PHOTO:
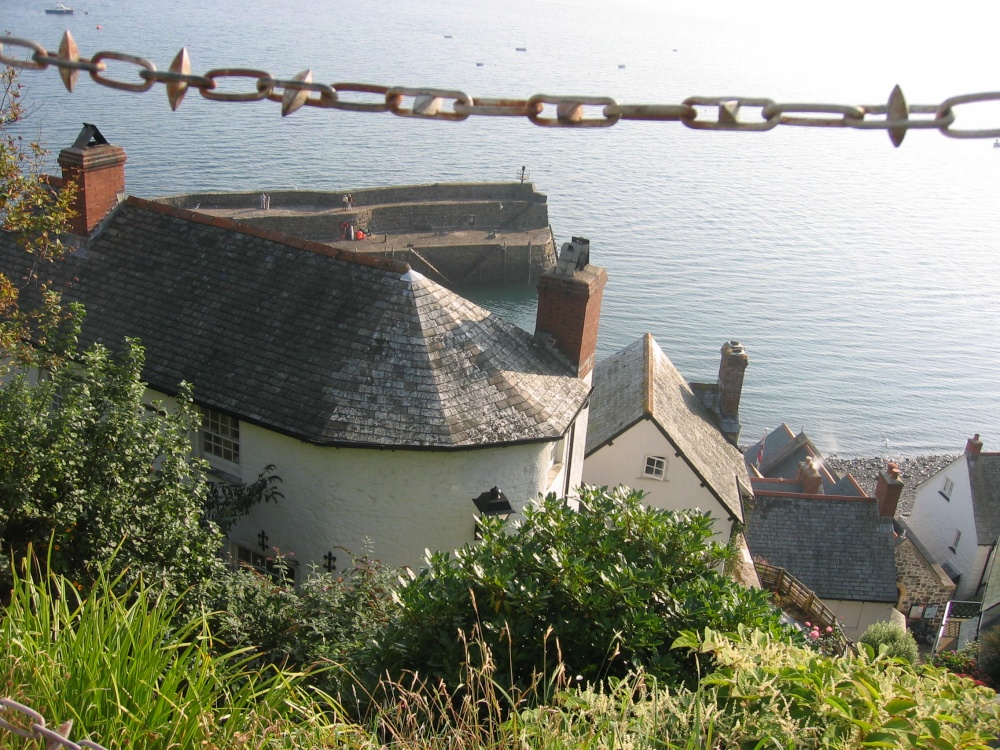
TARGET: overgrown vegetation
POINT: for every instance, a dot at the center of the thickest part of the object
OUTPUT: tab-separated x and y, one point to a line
603	590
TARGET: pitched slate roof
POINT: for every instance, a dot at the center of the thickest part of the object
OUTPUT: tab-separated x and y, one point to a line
838	547
640	382
321	344
984	478
784	451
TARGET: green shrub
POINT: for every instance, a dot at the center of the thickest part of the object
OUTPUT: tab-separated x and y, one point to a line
598	592
324	626
896	640
989	654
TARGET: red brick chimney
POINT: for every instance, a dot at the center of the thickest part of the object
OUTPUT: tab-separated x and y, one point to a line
887	490
731	368
974	446
569	305
98	169
808	476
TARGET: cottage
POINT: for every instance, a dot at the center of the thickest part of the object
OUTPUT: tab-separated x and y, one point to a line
956	514
651	430
386	402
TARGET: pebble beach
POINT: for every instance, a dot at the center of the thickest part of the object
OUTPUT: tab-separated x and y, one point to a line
913	471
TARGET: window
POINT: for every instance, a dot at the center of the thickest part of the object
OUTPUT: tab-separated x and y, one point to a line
282	572
220	435
958	538
947	489
656	467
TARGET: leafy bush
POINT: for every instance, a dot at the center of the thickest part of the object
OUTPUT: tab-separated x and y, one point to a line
324	626
765	693
989	654
896	640
601	591
85	463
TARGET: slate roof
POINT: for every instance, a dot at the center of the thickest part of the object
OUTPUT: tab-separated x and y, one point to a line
838	547
784	451
321	344
984	478
640	382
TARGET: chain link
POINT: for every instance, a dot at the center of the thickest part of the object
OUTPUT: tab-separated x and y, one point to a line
37	729
695	112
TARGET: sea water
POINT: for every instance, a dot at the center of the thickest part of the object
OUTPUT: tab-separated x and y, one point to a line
862	279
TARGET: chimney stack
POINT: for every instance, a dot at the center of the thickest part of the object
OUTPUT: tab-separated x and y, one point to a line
731	368
569	305
98	170
887	490
808	476
974	446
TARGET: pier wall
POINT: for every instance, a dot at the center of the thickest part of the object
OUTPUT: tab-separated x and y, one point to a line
468	265
401	213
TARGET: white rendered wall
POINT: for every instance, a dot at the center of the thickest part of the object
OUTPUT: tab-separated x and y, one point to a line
935	520
854	616
623	462
404	501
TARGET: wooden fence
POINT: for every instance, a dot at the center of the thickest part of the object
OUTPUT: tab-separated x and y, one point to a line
790	589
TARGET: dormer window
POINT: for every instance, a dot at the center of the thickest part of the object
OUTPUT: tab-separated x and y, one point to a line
947	489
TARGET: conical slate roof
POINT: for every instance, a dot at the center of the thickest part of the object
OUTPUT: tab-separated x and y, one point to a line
314	342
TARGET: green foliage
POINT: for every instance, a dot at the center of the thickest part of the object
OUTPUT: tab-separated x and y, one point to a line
989	654
601	591
34	214
965	662
132	671
86	464
895	640
768	694
329	619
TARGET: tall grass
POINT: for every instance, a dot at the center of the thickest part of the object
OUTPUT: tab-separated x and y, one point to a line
132	671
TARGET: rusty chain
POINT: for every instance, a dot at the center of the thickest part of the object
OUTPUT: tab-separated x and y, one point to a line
36	729
727	113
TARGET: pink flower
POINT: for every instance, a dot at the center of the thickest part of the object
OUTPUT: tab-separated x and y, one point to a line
829	629
814	635
808	624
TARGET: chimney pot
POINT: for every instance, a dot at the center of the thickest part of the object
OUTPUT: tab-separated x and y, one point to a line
731	369
569	305
98	170
809	477
888	488
974	446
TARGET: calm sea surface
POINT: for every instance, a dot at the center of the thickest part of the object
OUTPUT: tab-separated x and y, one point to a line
864	280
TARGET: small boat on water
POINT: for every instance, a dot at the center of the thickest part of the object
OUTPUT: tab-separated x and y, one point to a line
60	9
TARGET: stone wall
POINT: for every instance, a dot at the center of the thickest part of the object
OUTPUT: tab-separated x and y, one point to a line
460	265
921	582
404	217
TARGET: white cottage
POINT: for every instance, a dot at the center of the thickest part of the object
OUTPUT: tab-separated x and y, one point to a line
386	402
956	514
649	430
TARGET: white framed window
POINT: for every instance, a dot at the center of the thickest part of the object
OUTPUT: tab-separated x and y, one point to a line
655	468
947	489
220	435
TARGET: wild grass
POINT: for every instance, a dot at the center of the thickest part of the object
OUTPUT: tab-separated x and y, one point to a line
132	670
121	667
